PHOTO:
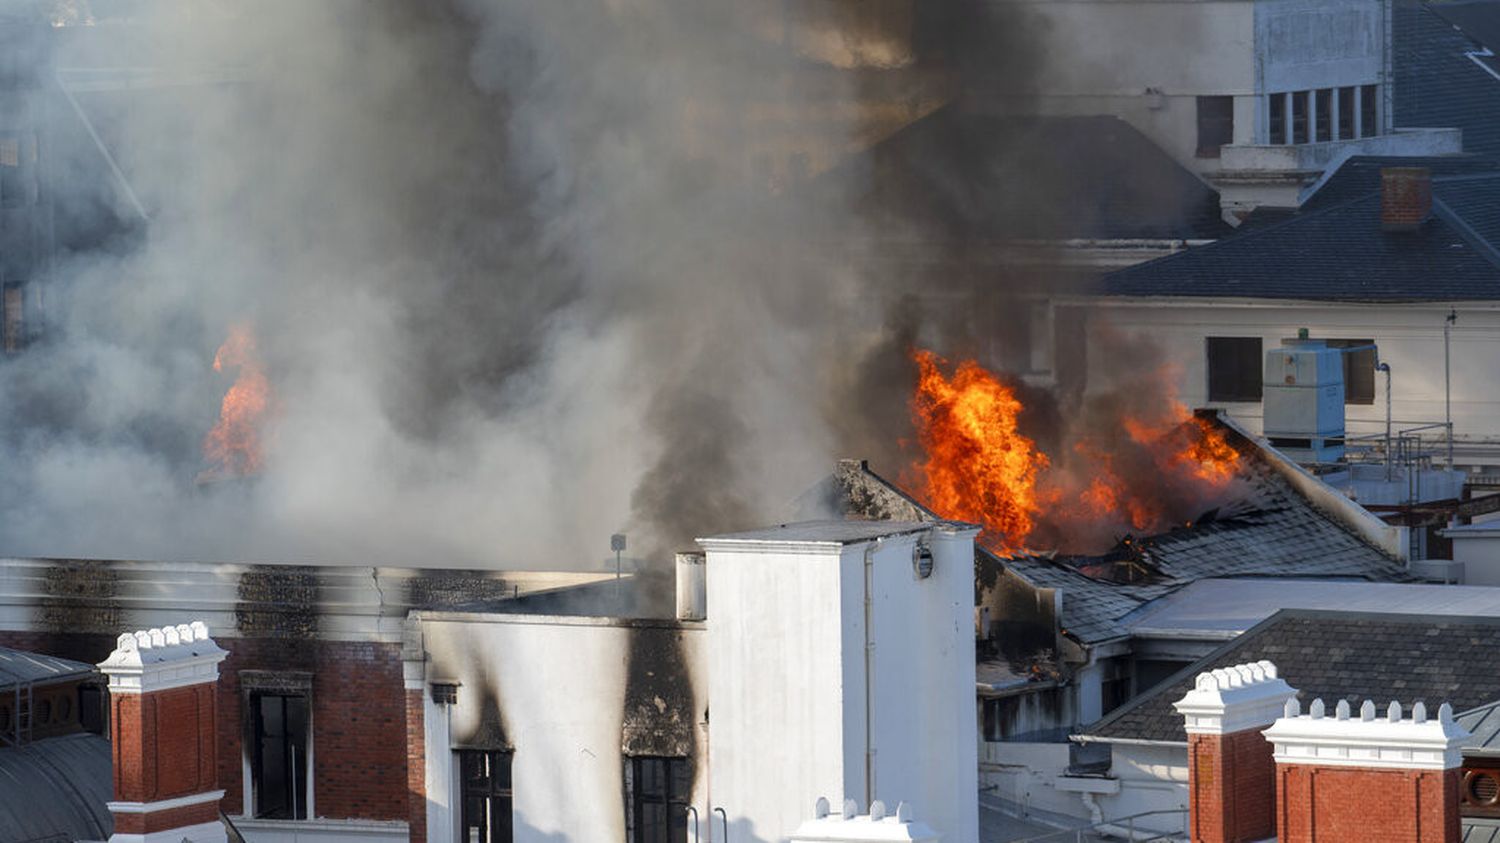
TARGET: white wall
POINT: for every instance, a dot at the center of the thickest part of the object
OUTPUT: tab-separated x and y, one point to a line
1410	337
786	658
1141	779
558	686
1479	551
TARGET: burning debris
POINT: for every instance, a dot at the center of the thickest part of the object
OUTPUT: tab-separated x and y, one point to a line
1128	467
233	447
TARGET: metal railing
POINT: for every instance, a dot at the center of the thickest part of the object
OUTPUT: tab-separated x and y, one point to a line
1116	827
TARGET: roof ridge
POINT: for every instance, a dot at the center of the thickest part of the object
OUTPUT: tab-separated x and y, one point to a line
1296	217
1456	220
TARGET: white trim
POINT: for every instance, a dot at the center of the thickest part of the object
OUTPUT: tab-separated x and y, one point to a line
164	804
205	833
1234	699
1386	743
321	830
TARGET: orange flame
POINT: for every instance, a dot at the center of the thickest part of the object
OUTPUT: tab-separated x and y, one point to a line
979	466
233	446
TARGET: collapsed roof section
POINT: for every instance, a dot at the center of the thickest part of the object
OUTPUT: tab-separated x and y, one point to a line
1277	528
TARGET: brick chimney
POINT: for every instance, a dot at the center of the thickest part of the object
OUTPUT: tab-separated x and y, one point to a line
1339	777
163	686
1231	774
1405	197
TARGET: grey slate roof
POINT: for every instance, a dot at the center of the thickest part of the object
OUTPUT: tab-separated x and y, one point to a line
55	790
1274	533
1341	253
20	667
1436	82
984	177
1338	655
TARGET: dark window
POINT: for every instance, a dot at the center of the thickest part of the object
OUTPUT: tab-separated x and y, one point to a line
1369	105
1215	125
1234	368
12	318
657	793
1278	118
1359	371
93	711
1346	113
279	766
12	187
1299	117
1323	99
487	796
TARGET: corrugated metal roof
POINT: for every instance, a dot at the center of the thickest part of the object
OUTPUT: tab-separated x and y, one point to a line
56	790
18	667
1477	830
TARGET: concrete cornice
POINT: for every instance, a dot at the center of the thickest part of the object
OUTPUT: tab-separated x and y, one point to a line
1388	742
161	659
1234	699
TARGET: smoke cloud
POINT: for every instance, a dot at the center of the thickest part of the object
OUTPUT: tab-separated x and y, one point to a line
522	274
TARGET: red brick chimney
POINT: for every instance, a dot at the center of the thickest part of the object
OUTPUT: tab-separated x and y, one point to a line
1231	774
1341	778
163	686
1405	197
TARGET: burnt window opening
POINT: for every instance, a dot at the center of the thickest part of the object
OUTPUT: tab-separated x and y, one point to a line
278	766
1359	371
1299	116
12	318
1277	115
1215	125
13	193
445	693
1234	369
1369	111
658	791
487	796
93	709
1346	113
1323	101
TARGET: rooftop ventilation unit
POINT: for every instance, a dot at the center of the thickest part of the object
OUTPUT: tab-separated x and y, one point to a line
1304	400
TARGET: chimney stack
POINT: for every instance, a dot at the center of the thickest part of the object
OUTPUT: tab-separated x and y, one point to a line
163	713
1231	773
1405	197
1338	776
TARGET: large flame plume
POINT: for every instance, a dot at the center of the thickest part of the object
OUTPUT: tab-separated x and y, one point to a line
233	448
1152	466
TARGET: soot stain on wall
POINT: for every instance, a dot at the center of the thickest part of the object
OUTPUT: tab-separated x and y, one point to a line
81	596
659	716
276	601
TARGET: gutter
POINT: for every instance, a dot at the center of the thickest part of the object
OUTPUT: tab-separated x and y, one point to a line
1126	741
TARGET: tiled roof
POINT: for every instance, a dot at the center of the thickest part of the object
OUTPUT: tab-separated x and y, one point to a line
1359	176
991	178
1273	532
1437	84
1341	253
1338	655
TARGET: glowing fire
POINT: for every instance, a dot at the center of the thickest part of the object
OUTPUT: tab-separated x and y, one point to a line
979	466
1138	472
233	446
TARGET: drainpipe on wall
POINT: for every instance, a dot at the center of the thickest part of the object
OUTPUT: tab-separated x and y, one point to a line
870	670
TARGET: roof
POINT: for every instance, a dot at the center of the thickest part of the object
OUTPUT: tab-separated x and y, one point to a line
1481	830
1359	176
1483	724
1223	608
1438	81
1341	253
1338	655
55	790
825	532
1272	533
1004	178
18	667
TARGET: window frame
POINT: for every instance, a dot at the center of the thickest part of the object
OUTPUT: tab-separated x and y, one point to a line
1366	395
1215	130
674	801
1347	112
1301	117
1324	116
258	683
1369	117
1276	119
1235	367
492	792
